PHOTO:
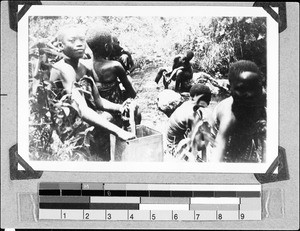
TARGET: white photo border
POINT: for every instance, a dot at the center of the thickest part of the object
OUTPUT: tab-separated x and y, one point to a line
214	11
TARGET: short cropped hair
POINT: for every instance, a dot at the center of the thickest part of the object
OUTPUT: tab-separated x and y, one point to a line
203	90
189	55
115	40
241	66
63	30
97	37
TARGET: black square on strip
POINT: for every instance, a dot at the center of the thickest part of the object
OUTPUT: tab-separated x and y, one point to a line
248	194
92	192
203	194
64	205
48	192
65	192
115	193
181	193
160	193
225	194
136	193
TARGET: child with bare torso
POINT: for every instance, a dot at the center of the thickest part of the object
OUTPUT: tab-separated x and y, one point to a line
71	70
107	73
123	56
182	73
239	121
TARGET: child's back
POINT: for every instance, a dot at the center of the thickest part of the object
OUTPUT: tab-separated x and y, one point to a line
107	73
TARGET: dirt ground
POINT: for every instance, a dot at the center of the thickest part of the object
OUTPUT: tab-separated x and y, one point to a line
147	92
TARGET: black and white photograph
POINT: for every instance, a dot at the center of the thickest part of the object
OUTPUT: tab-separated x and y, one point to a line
148	88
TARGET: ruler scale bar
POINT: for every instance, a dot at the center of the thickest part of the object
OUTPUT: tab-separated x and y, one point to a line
148	202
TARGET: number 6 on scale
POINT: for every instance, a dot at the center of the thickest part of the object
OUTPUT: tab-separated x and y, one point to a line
175	216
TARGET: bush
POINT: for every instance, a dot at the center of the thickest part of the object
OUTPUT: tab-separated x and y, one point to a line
216	41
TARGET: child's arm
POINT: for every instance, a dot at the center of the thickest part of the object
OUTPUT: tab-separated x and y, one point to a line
220	148
101	103
93	118
53	43
124	80
222	136
176	62
173	73
66	74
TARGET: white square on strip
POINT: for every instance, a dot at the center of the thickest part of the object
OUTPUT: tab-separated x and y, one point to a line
250	215
205	215
72	214
117	215
49	214
161	215
164	207
215	200
227	215
94	214
139	215
182	215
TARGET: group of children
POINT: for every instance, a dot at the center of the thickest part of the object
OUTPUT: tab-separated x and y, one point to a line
93	84
234	132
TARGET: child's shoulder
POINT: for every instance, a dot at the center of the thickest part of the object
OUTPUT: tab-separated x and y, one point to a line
87	63
224	107
60	64
227	101
112	64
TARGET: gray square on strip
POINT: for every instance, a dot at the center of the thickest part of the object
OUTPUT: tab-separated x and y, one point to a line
27	207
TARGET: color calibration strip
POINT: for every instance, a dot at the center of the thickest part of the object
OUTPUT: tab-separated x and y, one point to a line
171	202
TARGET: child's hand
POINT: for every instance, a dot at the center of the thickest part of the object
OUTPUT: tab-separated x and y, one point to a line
89	79
124	109
124	135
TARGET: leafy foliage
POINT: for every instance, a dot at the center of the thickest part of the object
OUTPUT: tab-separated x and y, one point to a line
56	132
216	41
